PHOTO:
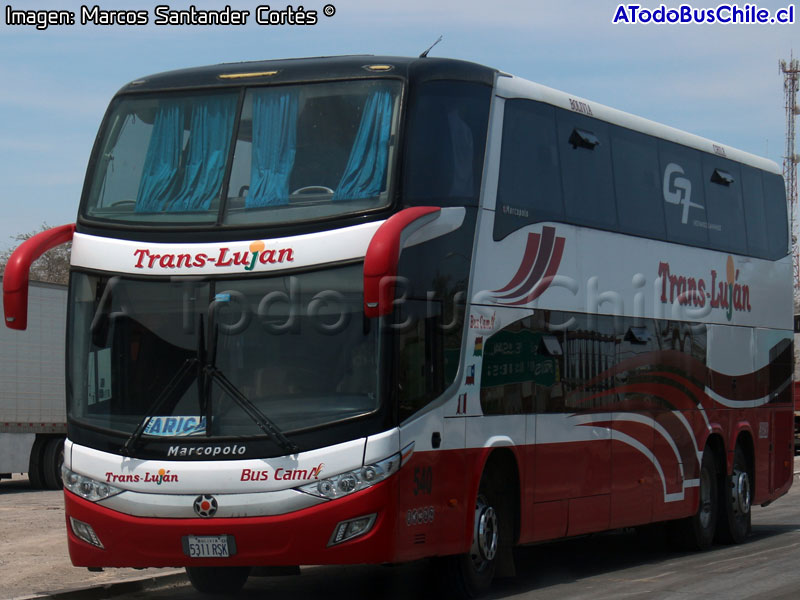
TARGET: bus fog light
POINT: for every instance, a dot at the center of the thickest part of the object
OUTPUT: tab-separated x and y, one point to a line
85	532
352	528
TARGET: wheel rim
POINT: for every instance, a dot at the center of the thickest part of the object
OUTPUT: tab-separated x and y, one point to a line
740	492
485	537
706	500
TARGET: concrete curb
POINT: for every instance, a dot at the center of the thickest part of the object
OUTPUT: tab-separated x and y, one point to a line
111	589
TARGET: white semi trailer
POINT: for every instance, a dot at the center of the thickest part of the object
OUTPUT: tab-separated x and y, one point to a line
32	401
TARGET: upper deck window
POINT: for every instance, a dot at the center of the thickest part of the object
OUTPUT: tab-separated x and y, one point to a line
559	166
301	152
446	132
163	159
305	152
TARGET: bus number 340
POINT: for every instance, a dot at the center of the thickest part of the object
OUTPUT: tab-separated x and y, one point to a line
423	480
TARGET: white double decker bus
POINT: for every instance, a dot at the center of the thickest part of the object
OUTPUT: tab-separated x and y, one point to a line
375	309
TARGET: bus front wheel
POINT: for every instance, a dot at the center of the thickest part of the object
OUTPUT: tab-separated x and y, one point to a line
470	575
218	580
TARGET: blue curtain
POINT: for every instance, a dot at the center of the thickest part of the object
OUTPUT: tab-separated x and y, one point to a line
274	147
162	158
209	140
366	167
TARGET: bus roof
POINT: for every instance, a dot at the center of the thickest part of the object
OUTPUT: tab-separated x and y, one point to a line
509	86
293	70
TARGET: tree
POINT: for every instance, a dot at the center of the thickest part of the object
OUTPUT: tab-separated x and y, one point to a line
51	267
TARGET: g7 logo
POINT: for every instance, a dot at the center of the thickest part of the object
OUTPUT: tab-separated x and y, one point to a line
678	190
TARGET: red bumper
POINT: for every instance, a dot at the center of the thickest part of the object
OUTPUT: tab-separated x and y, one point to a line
293	539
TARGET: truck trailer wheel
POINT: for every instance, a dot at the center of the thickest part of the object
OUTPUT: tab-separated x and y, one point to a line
218	580
35	470
51	466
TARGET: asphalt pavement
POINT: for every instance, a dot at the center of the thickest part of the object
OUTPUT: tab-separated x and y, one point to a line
34	563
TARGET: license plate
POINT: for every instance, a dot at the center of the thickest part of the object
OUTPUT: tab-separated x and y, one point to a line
209	546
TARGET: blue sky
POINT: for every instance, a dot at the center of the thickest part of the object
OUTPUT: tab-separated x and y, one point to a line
718	81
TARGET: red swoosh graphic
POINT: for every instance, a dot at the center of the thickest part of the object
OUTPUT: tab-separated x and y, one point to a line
545	282
531	249
545	249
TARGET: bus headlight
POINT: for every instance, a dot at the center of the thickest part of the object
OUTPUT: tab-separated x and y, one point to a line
353	481
87	488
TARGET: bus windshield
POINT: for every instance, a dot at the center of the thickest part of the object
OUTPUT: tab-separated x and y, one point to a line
271	155
180	353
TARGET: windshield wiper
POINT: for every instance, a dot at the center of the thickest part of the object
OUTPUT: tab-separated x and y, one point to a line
207	372
212	372
167	393
264	423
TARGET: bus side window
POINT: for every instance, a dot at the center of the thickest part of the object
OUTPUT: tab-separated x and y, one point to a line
446	142
523	367
591	353
775	209
637	183
755	217
508	374
426	327
682	194
585	151
529	186
723	187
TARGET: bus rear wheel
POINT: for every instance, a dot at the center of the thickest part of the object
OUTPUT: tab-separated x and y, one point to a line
218	580
735	501
697	532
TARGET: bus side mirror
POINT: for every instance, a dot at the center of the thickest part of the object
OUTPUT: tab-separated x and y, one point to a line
383	254
15	278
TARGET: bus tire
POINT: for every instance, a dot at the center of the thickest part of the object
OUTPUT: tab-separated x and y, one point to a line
218	580
36	463
470	575
51	463
736	495
697	532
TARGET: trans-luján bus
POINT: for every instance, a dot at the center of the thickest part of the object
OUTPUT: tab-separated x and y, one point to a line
370	310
